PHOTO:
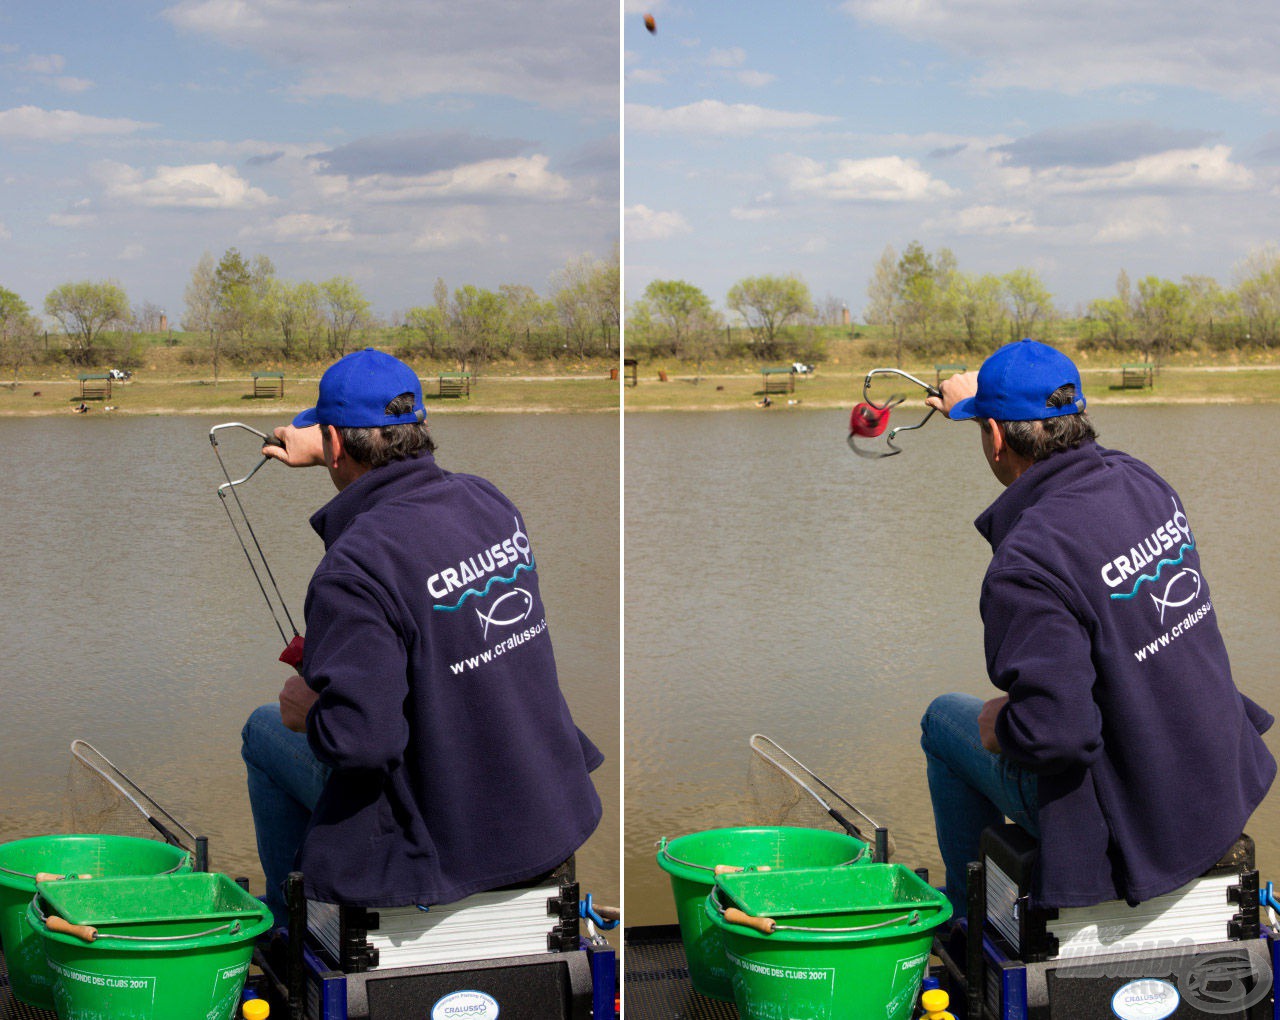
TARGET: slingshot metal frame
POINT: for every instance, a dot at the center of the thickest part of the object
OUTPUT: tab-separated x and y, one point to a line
892	402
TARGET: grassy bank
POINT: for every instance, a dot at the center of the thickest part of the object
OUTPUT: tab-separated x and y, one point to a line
175	392
833	388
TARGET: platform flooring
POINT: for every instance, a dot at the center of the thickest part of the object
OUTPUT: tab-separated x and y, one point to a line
11	1008
655	984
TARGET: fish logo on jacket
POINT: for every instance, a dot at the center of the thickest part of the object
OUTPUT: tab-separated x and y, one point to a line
1183	587
519	606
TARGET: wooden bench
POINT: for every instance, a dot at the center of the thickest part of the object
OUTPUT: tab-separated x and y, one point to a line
268	384
949	369
631	368
779	380
94	387
1136	377
455	384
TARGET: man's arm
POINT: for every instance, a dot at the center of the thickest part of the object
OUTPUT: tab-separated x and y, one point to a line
1040	654
357	666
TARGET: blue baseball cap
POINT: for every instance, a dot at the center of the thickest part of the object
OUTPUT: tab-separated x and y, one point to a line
355	391
1015	384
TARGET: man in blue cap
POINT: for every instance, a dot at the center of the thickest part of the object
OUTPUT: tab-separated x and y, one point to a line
1120	739
425	751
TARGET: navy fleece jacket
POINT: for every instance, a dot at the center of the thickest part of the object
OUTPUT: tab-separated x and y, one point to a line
1101	628
456	765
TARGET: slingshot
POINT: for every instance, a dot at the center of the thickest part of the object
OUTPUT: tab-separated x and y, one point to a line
870	419
292	654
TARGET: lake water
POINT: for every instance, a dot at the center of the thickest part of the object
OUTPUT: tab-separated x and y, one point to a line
130	617
776	583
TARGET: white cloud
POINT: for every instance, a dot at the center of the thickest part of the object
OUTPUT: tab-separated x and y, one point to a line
564	53
525	177
880	179
646	76
1073	46
752	213
1137	220
735	56
301	228
4	233
132	252
645	224
755	79
44	63
31	123
989	220
456	228
1206	168
200	186
73	85
710	116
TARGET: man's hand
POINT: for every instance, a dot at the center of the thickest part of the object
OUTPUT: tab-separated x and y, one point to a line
954	389
302	447
987	723
296	699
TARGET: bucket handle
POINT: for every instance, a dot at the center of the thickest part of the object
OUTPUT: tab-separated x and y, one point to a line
88	933
767	925
721	869
41	876
49	876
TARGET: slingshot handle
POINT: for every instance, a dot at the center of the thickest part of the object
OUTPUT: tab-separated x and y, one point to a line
764	925
84	932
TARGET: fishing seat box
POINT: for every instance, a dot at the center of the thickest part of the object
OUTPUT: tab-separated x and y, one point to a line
517	946
1221	905
1199	949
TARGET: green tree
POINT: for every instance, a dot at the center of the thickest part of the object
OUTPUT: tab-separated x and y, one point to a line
882	290
529	317
767	304
201	316
18	333
85	310
979	304
1029	302
586	298
477	322
1258	289
679	318
347	311
1160	315
429	324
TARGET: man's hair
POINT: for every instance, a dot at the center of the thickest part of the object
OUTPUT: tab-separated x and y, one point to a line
1040	438
381	445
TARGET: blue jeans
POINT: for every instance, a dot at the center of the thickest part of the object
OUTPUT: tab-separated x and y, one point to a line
285	780
970	787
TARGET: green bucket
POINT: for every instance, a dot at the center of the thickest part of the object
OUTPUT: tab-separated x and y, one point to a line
691	862
166	947
851	942
98	856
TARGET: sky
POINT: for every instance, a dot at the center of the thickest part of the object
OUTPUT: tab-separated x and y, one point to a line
1077	138
392	141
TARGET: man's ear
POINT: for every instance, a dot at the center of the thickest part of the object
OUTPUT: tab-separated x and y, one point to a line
335	449
998	444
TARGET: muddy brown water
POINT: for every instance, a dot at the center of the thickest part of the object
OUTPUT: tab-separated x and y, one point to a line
775	583
129	617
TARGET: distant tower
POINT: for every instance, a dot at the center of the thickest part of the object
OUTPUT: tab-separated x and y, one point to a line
844	315
164	321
